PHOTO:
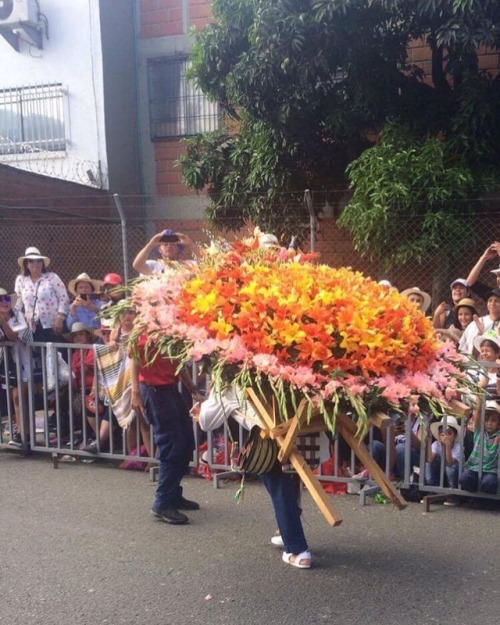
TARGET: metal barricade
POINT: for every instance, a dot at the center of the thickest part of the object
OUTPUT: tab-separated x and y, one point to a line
54	418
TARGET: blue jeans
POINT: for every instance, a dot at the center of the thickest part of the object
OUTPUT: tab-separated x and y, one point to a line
286	509
469	480
433	473
173	435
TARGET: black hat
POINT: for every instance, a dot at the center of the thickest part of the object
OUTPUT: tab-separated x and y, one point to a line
494	293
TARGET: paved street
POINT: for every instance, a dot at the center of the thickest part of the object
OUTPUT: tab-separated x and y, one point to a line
79	547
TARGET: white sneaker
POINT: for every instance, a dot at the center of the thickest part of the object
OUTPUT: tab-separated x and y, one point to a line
277	540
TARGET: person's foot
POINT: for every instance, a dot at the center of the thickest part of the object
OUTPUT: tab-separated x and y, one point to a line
362	476
186	504
169	515
300	561
91	448
277	541
16	441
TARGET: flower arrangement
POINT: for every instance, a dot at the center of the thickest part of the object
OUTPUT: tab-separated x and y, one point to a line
273	320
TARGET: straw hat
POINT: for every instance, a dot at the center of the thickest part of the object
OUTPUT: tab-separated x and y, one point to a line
33	253
13	296
106	325
452	333
84	277
268	240
416	291
78	326
493	405
466	301
486	337
451	422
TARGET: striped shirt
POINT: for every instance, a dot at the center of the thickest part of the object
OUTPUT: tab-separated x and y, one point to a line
490	445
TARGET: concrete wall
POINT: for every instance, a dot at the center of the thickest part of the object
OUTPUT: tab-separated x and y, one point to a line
91	51
71	56
118	33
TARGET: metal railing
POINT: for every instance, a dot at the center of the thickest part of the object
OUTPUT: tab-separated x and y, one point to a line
51	421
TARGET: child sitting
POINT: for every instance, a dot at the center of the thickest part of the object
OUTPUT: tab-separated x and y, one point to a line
445	448
486	444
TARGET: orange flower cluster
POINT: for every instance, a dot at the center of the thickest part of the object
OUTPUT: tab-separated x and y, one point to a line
309	315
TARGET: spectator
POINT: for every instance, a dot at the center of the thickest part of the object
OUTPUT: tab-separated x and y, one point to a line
492	252
464	314
172	246
123	326
103	333
12	327
481	468
488	347
113	290
481	325
87	303
398	450
212	415
82	371
418	297
42	296
446	448
445	314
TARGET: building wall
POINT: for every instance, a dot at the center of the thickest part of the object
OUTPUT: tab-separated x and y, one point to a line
118	32
163	31
90	50
72	56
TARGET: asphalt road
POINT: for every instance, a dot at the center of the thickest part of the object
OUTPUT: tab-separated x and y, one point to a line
78	546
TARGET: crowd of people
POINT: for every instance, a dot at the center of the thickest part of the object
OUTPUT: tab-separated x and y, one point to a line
42	309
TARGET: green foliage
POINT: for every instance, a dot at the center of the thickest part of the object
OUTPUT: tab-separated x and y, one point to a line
309	81
408	181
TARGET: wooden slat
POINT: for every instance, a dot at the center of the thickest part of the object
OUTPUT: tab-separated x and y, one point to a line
347	430
288	443
311	482
380	420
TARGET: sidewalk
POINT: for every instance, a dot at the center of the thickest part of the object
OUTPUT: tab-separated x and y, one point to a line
79	547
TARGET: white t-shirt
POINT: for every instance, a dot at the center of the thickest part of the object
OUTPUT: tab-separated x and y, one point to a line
466	344
437	450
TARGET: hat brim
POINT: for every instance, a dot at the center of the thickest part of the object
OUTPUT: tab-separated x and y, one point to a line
46	260
99	332
426	298
484	337
69	335
449	334
438	424
96	285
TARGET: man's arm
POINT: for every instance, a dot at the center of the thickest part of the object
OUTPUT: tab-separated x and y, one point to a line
491	252
136	400
139	263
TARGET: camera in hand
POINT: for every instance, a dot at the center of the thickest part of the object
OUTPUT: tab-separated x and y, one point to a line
93	297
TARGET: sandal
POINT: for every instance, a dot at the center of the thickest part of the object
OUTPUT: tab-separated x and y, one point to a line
277	541
300	560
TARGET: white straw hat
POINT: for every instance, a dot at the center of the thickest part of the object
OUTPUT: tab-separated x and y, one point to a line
84	277
33	253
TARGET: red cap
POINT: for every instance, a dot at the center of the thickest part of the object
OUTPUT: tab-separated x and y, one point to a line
113	279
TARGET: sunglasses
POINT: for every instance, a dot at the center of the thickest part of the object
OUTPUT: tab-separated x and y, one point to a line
5	298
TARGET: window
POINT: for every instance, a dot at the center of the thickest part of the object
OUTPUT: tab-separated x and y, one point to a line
32	119
176	107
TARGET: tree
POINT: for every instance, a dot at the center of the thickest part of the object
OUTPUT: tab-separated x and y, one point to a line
307	86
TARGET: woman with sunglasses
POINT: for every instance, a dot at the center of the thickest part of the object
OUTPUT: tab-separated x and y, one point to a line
42	296
12	326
